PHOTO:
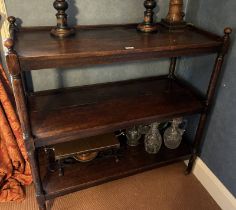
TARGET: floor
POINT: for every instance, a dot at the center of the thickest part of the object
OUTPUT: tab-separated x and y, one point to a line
165	188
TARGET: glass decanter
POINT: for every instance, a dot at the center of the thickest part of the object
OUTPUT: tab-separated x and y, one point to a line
153	139
143	129
173	135
133	136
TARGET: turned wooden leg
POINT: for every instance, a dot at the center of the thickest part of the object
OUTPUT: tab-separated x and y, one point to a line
197	142
18	90
60	168
210	96
41	202
190	164
172	68
33	159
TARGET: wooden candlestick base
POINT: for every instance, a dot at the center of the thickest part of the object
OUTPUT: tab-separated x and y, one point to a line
148	24
174	19
147	28
61	30
173	26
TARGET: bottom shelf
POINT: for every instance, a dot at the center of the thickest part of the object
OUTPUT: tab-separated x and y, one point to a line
132	160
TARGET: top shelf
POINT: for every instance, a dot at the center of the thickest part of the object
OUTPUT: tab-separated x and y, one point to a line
91	45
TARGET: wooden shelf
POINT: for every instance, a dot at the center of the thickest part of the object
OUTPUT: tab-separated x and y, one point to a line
37	49
133	160
58	116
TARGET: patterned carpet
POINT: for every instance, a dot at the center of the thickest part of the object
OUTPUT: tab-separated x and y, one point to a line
165	188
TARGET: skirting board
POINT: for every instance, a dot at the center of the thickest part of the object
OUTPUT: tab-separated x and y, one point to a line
214	186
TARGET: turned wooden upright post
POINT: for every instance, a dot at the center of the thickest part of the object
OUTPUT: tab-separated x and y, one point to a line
12	26
172	68
19	96
148	24
62	30
210	96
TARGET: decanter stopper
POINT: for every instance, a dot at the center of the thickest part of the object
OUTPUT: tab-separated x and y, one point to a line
153	139
173	134
133	136
61	30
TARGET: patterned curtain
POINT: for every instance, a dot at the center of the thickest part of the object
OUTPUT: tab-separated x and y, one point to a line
14	166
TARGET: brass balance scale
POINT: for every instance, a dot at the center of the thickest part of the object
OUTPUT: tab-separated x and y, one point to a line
82	150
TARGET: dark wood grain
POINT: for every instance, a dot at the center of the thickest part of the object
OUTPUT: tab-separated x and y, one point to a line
101	45
132	160
92	110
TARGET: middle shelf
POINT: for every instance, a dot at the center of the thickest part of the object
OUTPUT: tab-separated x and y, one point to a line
78	112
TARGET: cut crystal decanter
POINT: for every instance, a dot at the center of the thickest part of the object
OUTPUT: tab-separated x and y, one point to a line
173	134
133	136
153	139
143	129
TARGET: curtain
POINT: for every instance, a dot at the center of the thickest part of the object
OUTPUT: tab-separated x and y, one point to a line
14	166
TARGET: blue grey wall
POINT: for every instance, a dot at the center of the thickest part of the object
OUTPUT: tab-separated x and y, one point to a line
219	149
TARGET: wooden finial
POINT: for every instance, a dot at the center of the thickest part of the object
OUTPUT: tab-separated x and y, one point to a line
12	26
9	44
226	39
11	20
62	30
148	24
228	31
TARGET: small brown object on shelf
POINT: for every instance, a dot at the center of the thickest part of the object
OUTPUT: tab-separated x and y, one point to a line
174	19
148	24
62	30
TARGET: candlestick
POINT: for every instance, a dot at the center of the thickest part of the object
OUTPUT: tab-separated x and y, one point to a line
148	24
174	19
61	30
